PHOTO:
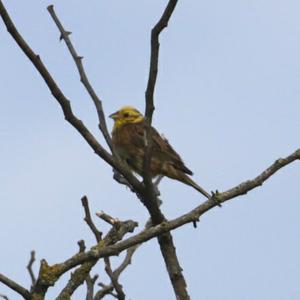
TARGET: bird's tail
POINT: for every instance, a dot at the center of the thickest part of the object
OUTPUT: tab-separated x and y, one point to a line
186	179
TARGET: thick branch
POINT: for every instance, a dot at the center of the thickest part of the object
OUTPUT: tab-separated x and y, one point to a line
77	278
83	77
15	286
192	216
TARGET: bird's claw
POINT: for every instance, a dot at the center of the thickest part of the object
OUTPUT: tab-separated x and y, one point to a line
215	198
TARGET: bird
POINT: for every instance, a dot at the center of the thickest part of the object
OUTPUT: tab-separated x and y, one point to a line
129	142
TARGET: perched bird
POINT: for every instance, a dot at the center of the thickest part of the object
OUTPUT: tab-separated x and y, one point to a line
128	138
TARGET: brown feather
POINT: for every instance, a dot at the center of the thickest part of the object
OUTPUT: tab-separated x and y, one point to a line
130	144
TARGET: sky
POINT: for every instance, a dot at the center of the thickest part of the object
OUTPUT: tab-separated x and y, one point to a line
227	99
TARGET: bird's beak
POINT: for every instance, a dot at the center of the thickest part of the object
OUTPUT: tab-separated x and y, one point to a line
114	115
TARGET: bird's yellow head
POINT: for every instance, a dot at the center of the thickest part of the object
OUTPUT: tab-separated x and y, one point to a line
125	115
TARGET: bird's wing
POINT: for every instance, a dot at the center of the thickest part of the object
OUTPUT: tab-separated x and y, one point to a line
167	153
162	150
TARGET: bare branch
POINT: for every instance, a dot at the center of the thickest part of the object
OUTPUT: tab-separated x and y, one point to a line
106	289
107	218
88	219
65	103
157	29
29	268
100	251
83	77
90	284
166	242
81	273
193	215
81	245
126	262
15	286
77	278
4	297
114	279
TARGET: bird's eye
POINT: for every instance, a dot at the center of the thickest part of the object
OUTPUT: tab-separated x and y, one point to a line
126	115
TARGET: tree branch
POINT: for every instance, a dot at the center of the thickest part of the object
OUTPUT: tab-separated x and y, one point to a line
81	273
88	219
106	289
83	77
15	286
151	202
100	250
157	29
114	279
29	268
190	217
65	103
90	283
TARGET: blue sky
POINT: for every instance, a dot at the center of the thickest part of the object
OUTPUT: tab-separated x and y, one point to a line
227	99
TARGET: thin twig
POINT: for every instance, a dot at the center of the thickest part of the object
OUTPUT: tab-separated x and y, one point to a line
15	286
90	284
127	260
88	219
107	218
83	77
81	245
29	268
4	297
106	290
114	279
157	29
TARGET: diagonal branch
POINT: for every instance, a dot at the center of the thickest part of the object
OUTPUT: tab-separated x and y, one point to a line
88	219
101	251
65	103
15	286
190	217
83	77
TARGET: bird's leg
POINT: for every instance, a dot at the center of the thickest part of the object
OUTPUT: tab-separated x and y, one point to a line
155	185
158	180
121	179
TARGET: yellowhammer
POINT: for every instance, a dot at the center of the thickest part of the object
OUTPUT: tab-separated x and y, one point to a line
128	138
